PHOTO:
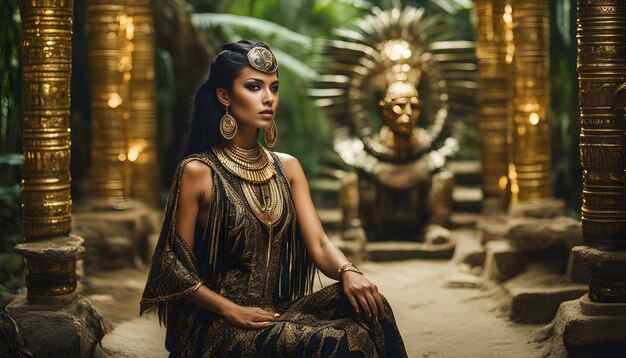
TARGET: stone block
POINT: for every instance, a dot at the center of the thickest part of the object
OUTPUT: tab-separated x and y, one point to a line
68	327
539	234
492	227
467	199
115	238
544	209
585	335
403	250
463	219
436	235
502	261
469	250
466	172
535	296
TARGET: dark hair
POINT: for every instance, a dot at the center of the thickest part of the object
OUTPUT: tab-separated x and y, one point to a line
207	111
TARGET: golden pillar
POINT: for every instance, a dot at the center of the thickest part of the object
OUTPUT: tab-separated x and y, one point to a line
50	250
142	146
530	133
602	81
109	75
493	94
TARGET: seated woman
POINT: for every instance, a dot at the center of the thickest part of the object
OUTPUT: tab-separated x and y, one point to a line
232	272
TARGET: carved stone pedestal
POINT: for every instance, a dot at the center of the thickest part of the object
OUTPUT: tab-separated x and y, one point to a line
608	273
67	326
585	328
53	320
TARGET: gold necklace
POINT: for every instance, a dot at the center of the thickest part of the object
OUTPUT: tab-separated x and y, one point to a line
253	165
269	207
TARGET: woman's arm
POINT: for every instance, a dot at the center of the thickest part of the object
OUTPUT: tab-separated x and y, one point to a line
326	256
195	192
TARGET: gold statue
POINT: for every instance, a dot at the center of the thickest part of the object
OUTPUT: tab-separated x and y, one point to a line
397	69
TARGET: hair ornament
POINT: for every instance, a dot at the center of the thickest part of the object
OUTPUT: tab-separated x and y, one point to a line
262	59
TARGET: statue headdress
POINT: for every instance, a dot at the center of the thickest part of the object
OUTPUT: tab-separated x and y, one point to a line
359	62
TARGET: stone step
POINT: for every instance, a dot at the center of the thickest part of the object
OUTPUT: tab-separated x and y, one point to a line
467	199
463	219
402	250
466	172
536	294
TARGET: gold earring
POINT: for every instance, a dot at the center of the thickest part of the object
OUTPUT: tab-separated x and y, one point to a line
270	135
228	125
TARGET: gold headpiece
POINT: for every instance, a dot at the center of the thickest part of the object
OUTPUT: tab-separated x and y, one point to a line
262	59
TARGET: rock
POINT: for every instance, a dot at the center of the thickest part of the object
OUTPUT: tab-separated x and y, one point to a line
436	235
492	228
57	328
538	234
544	209
502	261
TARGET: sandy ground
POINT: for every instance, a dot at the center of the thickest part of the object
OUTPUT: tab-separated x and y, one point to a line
435	319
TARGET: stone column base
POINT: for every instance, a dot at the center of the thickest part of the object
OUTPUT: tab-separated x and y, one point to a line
582	326
67	326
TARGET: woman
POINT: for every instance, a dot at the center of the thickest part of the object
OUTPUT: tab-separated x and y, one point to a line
235	259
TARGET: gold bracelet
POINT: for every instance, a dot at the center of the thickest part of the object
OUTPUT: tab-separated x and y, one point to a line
348	267
349	264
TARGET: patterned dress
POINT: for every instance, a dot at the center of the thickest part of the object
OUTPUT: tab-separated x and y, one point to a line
233	256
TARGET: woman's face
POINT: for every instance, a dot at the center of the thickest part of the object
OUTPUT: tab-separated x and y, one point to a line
254	98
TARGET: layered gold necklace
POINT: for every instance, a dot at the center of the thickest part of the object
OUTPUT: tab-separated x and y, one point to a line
252	165
256	169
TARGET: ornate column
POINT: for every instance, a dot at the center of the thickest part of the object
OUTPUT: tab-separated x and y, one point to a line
494	96
50	250
600	317
601	70
143	131
109	72
46	52
602	77
530	156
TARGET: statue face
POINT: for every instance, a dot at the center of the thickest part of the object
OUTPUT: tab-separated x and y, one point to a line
400	108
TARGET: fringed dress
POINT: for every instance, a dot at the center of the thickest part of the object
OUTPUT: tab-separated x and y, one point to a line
233	256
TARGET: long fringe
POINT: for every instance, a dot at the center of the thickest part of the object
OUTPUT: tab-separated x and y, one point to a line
297	272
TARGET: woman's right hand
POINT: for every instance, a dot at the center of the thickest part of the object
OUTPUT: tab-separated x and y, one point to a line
249	317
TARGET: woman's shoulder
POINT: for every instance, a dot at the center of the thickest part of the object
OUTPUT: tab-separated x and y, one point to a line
195	164
290	164
286	160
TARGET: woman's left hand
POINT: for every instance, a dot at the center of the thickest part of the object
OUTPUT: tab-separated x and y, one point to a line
363	295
